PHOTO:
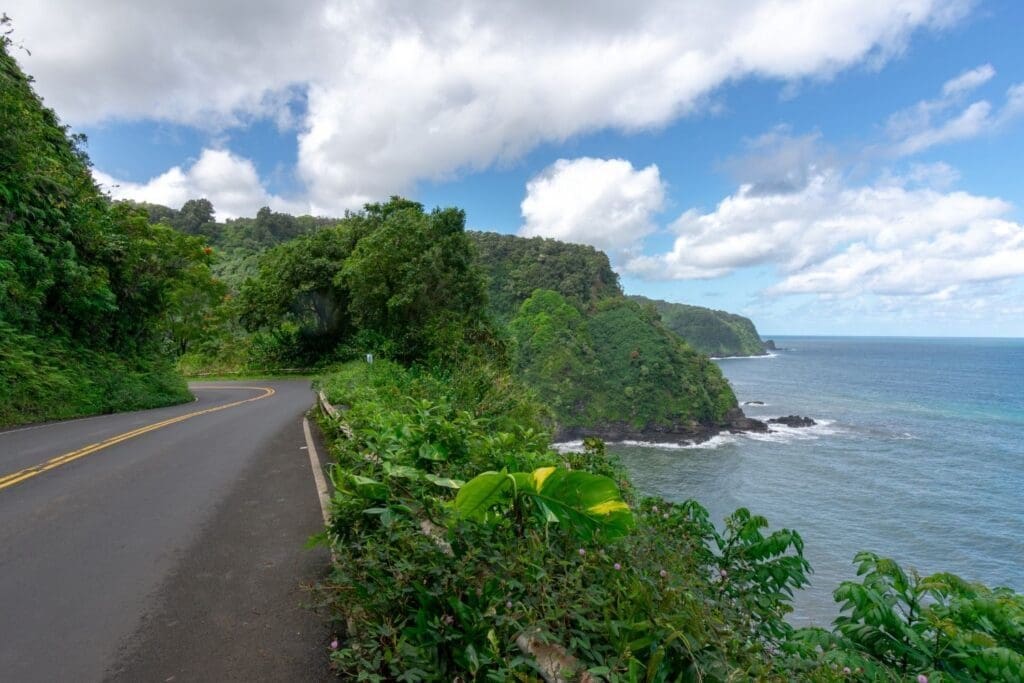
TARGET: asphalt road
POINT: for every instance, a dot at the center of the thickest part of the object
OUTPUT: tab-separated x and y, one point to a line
176	553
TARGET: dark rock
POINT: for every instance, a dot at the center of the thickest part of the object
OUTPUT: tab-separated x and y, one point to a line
769	345
738	422
693	432
753	403
792	421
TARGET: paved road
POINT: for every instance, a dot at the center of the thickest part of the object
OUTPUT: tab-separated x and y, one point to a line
175	554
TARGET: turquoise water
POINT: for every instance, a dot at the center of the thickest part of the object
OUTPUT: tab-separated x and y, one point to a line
919	457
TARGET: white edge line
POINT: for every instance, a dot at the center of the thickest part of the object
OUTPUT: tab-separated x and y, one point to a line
318	472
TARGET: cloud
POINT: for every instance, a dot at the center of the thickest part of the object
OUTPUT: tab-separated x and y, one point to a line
967	81
948	119
885	238
397	92
602	202
778	162
230	182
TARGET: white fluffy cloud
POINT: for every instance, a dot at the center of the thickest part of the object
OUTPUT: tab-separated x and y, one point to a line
603	202
399	91
948	118
885	238
228	181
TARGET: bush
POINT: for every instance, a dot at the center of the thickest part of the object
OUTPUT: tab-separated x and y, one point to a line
425	591
53	379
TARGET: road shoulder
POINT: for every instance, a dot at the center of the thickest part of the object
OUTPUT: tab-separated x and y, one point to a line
234	608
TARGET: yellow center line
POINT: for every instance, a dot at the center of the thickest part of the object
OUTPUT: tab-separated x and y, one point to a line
13	478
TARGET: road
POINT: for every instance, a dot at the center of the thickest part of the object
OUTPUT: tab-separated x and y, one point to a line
163	545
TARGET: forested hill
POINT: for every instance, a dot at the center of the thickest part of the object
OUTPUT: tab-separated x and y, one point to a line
88	289
716	333
239	241
516	266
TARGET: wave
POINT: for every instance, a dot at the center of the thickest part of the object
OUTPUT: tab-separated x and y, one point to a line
906	436
714	442
770	354
779	434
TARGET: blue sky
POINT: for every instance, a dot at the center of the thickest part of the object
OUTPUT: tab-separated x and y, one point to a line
825	168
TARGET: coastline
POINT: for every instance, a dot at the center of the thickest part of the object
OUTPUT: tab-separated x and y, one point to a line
690	433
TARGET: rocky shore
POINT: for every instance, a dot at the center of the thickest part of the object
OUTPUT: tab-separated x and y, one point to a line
736	422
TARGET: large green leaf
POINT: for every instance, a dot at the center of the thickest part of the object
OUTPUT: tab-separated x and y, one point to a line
444	482
589	503
481	493
371	489
402	471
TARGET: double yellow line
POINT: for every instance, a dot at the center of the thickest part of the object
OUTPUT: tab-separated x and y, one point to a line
9	480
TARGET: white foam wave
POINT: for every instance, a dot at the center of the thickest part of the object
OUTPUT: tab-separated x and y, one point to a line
770	354
778	433
781	433
716	441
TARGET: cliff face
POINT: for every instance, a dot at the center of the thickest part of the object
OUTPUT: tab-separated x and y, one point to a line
716	333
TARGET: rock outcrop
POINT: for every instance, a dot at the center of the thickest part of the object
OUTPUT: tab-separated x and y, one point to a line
792	421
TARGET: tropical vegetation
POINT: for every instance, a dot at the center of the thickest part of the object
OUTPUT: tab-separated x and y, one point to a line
712	332
89	290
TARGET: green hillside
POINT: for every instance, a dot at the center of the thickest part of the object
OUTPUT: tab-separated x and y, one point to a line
596	358
616	368
88	290
716	333
516	266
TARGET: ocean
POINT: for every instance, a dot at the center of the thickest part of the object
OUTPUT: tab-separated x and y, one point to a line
918	456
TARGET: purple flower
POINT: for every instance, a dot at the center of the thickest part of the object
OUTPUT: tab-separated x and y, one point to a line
334	644
663	573
921	678
724	574
448	619
617	566
582	552
508	605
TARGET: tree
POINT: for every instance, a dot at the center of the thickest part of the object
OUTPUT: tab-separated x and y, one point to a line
195	218
413	279
298	284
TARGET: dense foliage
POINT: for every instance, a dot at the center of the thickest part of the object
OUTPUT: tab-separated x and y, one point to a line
716	333
516	266
83	284
393	280
406	284
616	365
465	549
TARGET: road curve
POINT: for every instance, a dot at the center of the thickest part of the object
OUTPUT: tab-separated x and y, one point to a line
163	545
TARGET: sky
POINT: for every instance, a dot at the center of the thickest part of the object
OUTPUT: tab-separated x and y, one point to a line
848	167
